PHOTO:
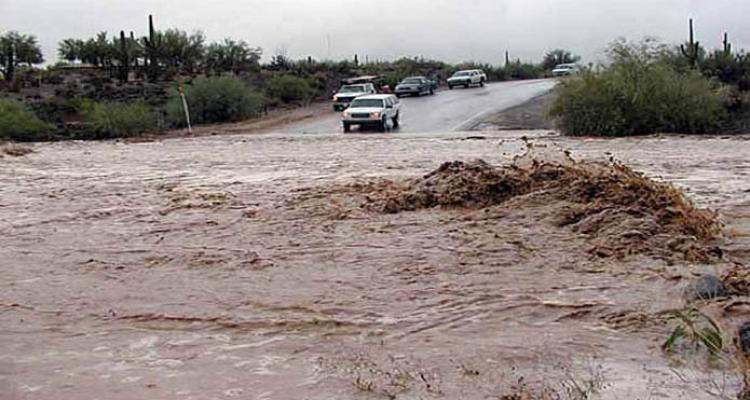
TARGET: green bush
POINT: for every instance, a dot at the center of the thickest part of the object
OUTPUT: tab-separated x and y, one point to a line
117	120
288	88
638	96
215	99
519	70
20	124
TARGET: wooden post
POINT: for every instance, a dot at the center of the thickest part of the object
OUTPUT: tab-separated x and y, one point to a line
185	108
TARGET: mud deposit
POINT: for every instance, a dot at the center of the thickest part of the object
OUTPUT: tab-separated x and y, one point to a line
357	267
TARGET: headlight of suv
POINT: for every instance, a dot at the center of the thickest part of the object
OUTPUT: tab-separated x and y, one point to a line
375	115
346	114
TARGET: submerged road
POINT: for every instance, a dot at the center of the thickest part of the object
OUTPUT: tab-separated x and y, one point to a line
448	110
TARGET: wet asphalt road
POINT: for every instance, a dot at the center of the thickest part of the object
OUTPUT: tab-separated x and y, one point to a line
447	110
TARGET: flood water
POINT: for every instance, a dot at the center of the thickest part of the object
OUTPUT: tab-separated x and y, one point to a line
204	269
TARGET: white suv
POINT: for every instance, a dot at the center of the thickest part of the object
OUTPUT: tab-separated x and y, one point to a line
467	78
373	110
347	93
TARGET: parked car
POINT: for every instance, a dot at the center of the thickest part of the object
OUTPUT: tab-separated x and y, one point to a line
565	70
467	78
347	93
416	86
372	110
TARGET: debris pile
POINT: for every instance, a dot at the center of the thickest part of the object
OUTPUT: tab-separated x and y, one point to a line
622	211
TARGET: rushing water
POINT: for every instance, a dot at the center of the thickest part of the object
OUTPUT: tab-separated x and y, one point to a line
191	269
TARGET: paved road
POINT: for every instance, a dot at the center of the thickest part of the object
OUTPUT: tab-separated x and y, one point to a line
449	110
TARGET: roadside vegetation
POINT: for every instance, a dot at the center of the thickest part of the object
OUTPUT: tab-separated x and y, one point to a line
126	84
18	123
114	120
649	87
215	99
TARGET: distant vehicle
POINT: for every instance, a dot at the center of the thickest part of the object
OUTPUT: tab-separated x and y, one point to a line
416	86
372	110
565	70
347	93
467	78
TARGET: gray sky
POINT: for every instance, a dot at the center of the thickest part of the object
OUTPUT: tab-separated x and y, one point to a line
451	30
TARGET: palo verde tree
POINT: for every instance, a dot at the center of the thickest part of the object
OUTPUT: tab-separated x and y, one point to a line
17	49
557	57
180	51
231	56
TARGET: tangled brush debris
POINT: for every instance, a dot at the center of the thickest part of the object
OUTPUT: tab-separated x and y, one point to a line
622	211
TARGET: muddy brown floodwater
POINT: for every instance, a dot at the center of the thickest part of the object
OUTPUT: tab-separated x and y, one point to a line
230	267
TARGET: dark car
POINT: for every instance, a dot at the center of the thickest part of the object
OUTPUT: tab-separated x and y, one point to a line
415	86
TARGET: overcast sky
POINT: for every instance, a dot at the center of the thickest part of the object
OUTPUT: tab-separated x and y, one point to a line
451	30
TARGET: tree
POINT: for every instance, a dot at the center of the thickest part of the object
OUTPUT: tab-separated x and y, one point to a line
231	56
557	57
70	50
17	49
182	52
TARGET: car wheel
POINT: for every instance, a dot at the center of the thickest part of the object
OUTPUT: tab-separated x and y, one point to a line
396	121
467	85
347	127
481	83
450	87
432	91
383	125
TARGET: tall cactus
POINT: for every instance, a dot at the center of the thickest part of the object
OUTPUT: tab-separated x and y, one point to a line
124	58
692	51
10	60
507	58
152	45
727	45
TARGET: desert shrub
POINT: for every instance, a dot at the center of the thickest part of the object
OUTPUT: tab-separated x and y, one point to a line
519	70
288	88
54	109
115	120
638	95
729	68
20	124
215	99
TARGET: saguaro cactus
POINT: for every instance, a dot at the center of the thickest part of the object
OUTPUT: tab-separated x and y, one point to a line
727	45
124	58
10	60
692	50
152	45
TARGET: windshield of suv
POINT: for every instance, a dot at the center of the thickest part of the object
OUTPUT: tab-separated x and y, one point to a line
462	73
352	89
367	103
412	81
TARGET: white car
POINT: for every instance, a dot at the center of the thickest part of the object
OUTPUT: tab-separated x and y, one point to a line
347	93
467	78
565	70
373	110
